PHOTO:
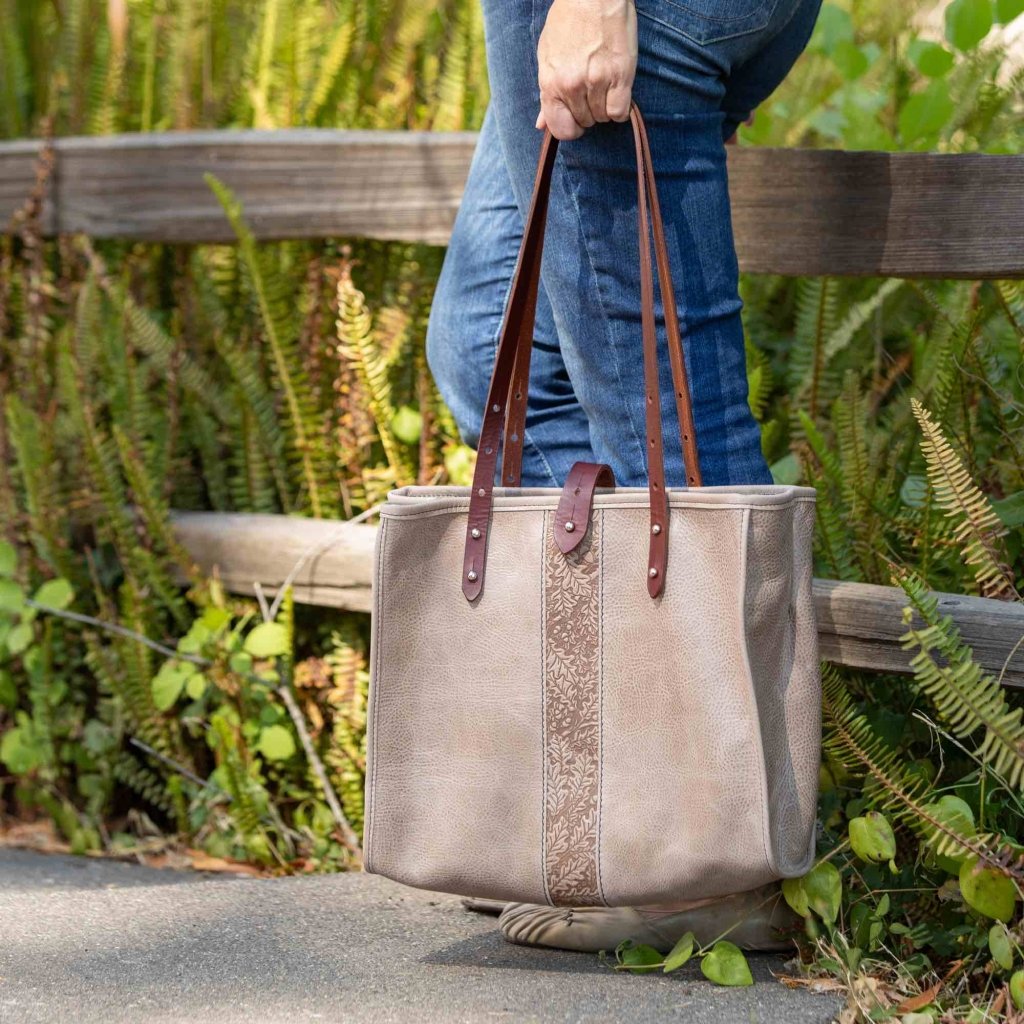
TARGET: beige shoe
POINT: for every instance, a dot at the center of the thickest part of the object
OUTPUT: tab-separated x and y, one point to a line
758	920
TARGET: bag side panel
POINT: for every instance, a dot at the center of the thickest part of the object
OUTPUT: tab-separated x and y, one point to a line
683	796
782	643
455	778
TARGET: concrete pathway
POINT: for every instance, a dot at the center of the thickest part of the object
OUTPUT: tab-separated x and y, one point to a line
97	942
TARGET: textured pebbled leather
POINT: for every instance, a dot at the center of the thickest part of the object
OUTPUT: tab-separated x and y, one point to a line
708	698
560	736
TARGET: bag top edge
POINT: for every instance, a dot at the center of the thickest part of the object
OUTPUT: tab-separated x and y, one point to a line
452	497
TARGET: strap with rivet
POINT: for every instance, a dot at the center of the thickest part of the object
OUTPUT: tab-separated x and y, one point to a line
507	393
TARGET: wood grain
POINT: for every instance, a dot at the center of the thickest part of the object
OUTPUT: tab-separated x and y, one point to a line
859	625
795	211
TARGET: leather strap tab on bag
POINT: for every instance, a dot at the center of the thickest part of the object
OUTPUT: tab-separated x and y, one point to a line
573	514
507	393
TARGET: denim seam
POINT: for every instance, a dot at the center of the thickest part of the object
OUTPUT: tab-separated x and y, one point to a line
604	318
707	42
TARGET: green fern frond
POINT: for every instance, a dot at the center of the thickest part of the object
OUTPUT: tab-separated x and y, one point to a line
979	529
150	338
815	322
331	66
40	470
252	484
853	743
273	300
261	420
966	697
1011	298
146	783
759	380
152	509
356	343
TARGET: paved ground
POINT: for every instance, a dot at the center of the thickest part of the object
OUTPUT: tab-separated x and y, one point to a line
94	942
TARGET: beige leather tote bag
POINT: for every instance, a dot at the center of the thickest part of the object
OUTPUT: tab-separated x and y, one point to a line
596	695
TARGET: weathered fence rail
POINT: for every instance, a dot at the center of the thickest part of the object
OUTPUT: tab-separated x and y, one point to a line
859	624
795	211
798	212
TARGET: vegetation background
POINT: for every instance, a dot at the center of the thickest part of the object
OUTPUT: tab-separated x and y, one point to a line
291	378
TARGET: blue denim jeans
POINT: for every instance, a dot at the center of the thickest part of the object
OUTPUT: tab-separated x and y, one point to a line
703	67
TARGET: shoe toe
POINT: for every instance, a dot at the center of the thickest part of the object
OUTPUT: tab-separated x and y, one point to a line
581	929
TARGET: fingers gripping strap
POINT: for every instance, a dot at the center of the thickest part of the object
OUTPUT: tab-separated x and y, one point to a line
507	393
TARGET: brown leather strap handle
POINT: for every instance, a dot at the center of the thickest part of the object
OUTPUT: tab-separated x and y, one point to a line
572	517
507	394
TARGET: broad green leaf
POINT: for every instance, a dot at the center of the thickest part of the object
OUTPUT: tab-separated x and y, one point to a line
12	598
824	890
850	59
986	891
931	59
834	26
169	682
872	839
20	748
925	113
1000	946
192	642
407	424
8	558
680	953
241	663
795	895
726	965
1010	510
1017	989
968	22
638	959
267	640
214	618
1007	10
786	470
276	743
19	638
196	686
956	815
55	594
459	460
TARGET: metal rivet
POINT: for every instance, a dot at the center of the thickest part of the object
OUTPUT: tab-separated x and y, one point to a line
475	533
496	407
656	528
570	526
481	492
471	575
653	572
514	438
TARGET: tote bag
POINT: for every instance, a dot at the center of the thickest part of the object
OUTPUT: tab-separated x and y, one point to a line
592	695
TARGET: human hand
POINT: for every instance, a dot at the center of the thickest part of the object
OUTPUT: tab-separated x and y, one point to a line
587	60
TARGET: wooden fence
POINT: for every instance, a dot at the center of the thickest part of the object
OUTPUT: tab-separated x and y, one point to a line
794	212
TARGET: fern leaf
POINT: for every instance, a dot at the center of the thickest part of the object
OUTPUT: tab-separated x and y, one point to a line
966	698
979	529
850	739
280	335
356	343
